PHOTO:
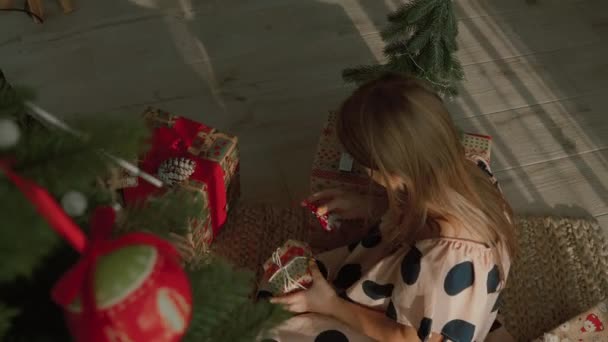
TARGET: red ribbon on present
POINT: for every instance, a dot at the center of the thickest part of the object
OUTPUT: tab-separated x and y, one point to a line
174	142
80	279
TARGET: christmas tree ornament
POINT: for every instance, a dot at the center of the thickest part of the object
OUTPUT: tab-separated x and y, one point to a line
176	170
129	289
74	203
9	133
132	288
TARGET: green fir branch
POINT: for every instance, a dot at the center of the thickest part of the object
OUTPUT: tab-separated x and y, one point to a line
25	239
6	316
363	73
223	310
420	41
161	214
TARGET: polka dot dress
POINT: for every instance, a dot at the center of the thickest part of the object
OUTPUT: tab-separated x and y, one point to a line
439	286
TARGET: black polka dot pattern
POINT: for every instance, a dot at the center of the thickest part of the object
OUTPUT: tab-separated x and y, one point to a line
496	305
493	279
377	291
373	237
263	294
322	268
391	312
458	331
425	328
331	336
495	326
347	276
344	296
459	278
410	266
352	246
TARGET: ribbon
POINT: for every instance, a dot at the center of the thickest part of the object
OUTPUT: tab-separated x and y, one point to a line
80	279
288	281
48	208
175	142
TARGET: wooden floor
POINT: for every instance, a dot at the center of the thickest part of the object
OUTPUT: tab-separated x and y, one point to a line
269	70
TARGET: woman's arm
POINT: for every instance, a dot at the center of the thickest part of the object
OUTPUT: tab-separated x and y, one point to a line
371	322
321	298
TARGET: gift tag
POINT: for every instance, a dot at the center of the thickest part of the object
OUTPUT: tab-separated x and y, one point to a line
328	222
346	162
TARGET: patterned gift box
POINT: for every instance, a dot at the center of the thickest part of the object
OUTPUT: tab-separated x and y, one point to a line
288	269
193	242
191	155
590	325
332	167
477	145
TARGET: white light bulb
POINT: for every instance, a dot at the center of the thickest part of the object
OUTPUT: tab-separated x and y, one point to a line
74	203
9	133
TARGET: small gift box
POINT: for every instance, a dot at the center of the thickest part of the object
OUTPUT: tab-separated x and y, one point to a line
477	145
333	167
186	153
328	222
590	325
288	269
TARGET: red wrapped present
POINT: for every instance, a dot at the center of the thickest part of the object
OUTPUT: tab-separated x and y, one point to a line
328	222
288	269
187	153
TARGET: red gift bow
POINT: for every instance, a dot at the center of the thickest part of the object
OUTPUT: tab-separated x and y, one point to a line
173	142
81	277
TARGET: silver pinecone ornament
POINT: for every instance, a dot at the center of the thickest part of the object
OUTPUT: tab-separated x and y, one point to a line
176	170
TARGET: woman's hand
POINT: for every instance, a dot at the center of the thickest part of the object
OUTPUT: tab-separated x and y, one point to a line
319	298
348	205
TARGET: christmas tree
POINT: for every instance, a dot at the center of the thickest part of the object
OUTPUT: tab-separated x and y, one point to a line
70	162
420	41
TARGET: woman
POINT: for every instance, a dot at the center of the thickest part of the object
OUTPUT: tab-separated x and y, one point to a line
433	269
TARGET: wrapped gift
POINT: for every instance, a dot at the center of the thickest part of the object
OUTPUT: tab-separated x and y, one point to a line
590	325
329	222
186	153
333	167
477	145
288	269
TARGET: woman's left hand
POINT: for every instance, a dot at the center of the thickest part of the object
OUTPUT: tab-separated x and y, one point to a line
319	298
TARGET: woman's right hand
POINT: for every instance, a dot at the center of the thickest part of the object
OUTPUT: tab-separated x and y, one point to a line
348	205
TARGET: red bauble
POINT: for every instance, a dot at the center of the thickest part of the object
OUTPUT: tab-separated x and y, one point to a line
127	290
141	295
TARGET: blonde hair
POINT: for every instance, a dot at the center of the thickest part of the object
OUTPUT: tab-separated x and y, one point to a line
398	126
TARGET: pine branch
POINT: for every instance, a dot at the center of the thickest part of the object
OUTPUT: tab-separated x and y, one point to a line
170	212
25	238
6	316
223	310
421	41
420	10
363	73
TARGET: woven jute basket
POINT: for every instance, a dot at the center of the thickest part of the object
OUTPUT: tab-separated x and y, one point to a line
561	268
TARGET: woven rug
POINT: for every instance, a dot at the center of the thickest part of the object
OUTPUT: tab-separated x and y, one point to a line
561	269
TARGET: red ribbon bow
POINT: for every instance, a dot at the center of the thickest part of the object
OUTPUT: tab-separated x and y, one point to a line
174	142
80	279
